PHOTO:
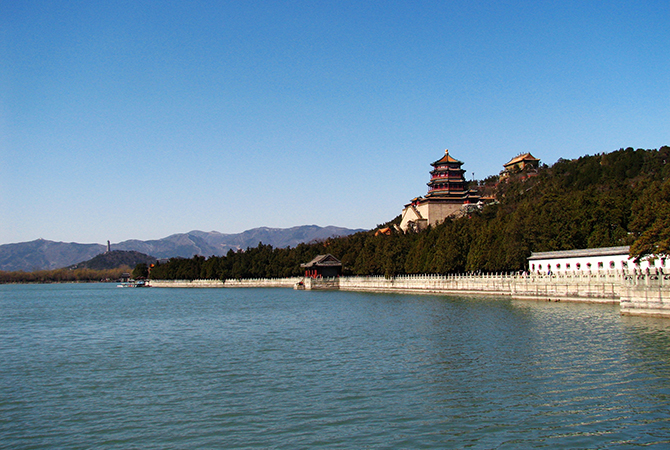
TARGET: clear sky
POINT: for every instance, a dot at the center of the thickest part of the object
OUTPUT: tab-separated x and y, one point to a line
139	119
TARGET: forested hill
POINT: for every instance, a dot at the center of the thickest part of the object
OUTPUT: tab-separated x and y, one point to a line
115	259
609	199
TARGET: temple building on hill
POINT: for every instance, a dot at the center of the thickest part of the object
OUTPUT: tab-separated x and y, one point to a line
521	163
448	196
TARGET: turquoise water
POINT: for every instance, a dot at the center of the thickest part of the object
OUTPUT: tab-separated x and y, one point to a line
93	366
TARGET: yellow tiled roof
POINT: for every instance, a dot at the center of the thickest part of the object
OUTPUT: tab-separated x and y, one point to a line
446	158
518	159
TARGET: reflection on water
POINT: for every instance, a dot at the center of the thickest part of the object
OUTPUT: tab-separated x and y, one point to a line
92	366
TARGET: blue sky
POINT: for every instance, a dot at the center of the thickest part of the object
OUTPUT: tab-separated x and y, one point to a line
136	120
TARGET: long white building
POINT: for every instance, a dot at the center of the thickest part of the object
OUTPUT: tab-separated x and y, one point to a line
592	260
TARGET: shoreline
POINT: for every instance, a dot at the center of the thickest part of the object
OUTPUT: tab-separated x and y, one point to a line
641	296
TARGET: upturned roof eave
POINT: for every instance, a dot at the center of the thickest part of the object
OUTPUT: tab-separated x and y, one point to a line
326	260
446	159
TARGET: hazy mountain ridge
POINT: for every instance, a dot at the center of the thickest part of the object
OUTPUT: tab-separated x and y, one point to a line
43	254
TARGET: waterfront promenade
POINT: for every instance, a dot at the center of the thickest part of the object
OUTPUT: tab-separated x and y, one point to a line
644	294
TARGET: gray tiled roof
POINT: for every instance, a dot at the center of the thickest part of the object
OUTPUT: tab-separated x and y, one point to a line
604	251
323	260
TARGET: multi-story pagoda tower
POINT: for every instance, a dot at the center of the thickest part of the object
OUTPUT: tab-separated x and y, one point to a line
448	196
447	178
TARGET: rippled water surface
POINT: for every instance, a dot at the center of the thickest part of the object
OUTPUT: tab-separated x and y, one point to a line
84	366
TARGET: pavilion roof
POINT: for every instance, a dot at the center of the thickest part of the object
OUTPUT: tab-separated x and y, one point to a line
322	261
447	159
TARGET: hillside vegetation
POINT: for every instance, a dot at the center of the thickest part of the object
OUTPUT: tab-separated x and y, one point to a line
115	259
63	275
609	199
108	266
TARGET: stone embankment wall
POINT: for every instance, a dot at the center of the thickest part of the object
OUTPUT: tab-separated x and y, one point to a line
643	294
252	282
603	289
577	288
647	295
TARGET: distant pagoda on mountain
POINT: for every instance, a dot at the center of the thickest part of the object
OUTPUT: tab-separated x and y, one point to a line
448	196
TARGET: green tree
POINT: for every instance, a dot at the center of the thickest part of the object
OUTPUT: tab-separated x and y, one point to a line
141	270
652	222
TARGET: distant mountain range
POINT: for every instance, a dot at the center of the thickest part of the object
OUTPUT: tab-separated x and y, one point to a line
42	254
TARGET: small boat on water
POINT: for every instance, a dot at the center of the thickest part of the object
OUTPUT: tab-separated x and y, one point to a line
133	284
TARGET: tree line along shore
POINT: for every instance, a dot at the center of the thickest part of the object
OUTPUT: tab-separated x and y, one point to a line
64	275
602	200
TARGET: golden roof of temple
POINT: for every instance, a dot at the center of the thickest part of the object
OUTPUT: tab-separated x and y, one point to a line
524	157
447	159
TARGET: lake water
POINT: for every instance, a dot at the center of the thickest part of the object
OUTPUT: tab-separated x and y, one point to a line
93	366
